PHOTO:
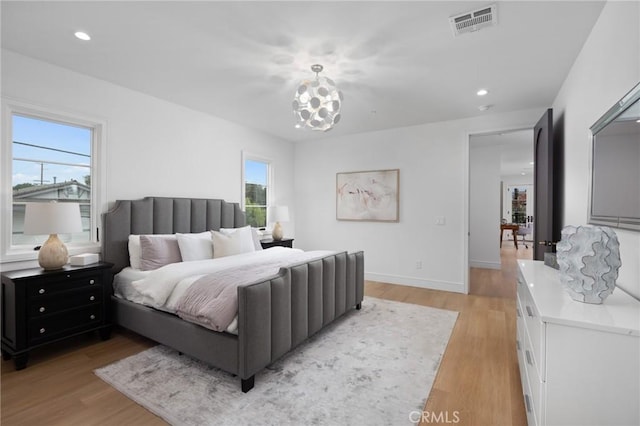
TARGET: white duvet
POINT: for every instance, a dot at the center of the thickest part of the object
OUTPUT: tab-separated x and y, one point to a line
165	286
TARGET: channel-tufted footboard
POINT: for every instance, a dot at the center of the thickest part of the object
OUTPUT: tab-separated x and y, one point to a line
278	314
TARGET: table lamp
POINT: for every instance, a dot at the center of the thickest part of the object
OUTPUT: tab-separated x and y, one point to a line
278	214
52	218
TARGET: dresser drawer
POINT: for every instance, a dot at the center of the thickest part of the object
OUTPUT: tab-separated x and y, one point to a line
533	379
52	303
65	282
533	325
532	420
50	327
529	403
520	326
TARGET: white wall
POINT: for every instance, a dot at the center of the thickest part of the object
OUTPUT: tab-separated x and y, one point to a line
153	147
484	206
515	180
433	163
607	68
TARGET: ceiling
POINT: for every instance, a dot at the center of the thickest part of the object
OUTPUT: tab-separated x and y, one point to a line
397	63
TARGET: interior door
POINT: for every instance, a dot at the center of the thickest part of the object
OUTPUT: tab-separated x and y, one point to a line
545	177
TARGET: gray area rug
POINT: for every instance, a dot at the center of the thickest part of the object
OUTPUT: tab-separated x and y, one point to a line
374	366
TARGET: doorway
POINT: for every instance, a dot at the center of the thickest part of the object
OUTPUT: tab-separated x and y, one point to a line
500	191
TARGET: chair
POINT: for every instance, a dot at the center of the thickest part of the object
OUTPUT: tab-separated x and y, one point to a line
524	231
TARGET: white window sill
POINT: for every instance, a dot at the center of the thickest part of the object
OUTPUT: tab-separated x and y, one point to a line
20	255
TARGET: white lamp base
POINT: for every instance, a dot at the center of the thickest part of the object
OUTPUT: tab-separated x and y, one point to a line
276	234
53	254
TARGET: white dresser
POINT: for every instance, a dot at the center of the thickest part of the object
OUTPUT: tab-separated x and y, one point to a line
579	363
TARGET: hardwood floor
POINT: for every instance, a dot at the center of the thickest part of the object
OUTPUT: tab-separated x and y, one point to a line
478	382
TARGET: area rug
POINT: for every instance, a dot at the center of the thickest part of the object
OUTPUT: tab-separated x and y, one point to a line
371	367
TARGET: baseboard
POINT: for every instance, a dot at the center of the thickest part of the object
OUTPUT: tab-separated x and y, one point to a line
415	282
485	265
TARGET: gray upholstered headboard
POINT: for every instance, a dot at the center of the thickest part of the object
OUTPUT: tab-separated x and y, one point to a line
159	215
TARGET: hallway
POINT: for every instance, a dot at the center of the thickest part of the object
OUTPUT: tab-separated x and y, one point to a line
500	282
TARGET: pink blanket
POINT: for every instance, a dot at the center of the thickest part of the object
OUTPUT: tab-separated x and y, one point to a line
212	300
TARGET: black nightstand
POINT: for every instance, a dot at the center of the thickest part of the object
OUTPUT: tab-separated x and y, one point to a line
41	307
285	242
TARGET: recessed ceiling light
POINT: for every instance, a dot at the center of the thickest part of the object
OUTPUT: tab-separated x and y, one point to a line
82	35
531	162
482	92
523	173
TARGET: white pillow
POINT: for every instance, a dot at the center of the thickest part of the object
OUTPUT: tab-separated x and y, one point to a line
198	246
134	251
230	243
254	235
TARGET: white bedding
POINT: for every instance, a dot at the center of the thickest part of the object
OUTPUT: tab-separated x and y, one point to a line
162	288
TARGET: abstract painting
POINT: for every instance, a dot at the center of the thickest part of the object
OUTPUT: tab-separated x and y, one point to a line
368	196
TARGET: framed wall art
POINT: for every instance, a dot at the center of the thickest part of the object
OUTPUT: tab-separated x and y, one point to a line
368	196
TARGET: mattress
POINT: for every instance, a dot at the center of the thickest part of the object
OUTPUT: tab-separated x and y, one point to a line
124	289
164	288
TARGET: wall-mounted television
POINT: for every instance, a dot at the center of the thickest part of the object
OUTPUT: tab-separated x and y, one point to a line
615	165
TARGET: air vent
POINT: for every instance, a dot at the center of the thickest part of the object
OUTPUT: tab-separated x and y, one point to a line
474	20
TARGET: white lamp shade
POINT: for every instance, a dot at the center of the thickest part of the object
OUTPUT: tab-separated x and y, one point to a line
52	218
279	213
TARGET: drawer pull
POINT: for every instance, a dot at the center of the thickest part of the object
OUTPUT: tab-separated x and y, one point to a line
527	402
41	291
42	309
92	281
518	344
530	311
92	317
68	275
92	298
518	313
42	330
528	354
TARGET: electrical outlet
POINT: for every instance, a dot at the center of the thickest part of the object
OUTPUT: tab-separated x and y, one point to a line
441	220
419	264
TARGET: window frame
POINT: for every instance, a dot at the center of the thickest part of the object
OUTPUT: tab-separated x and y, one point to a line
10	107
246	156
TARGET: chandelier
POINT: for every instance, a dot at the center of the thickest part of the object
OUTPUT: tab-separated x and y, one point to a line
317	102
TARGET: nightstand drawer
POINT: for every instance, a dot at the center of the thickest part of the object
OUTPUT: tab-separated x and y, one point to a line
50	327
43	287
52	303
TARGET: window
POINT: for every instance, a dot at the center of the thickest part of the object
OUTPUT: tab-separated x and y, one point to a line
519	205
51	161
49	157
256	191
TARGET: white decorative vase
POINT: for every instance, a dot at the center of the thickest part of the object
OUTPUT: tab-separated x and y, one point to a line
276	233
53	254
589	259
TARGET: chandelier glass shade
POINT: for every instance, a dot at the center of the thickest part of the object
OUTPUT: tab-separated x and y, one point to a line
317	103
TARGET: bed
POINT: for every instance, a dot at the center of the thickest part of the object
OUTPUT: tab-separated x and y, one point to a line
274	315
